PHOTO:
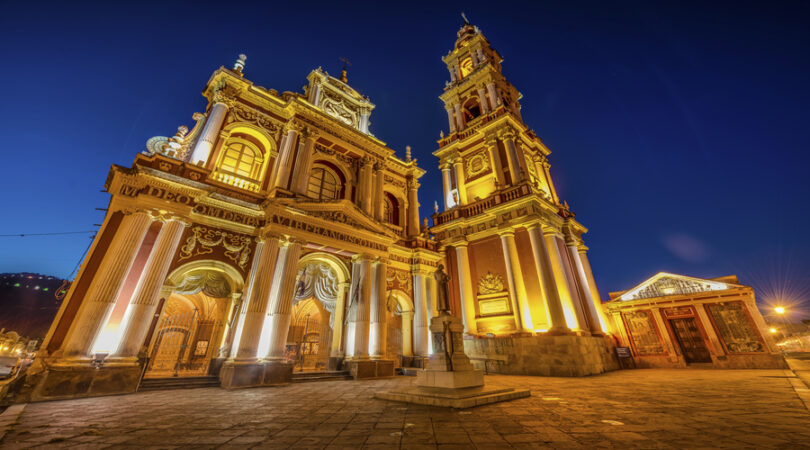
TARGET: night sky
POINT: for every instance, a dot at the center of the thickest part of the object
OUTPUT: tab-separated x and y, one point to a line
679	130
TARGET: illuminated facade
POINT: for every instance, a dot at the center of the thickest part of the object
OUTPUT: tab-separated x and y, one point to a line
278	231
674	321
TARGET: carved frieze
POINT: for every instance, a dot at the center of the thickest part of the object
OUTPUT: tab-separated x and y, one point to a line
204	240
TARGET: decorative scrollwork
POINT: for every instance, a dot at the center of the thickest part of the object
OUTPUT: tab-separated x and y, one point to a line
490	284
203	240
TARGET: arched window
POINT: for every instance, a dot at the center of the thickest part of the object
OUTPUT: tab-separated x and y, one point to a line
390	209
241	158
472	109
324	183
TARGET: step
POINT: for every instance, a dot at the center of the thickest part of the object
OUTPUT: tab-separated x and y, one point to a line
303	377
152	384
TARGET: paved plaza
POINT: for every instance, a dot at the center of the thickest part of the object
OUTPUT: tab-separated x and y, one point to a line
687	408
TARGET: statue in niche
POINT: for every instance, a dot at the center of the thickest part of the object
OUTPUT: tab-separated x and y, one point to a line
442	289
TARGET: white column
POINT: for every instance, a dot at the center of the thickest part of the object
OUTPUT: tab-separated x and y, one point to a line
378	311
281	297
247	292
413	208
493	96
446	187
458	165
517	288
364	192
144	300
586	265
205	143
482	99
99	301
563	291
716	348
495	157
303	165
589	306
465	289
364	115
361	306
421	321
548	287
459	118
451	119
256	305
379	183
281	170
511	158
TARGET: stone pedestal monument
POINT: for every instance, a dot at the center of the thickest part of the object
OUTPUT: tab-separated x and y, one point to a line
449	379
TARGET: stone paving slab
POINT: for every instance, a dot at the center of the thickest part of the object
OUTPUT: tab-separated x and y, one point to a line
645	409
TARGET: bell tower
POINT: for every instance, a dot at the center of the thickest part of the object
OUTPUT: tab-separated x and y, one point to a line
488	147
515	252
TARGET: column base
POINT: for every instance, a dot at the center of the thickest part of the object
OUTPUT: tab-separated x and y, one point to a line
65	381
449	379
243	374
368	368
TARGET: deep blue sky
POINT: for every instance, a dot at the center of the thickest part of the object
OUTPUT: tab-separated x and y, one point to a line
679	130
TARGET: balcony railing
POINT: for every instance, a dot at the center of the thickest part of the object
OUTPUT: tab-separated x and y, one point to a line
481	206
236	181
472	127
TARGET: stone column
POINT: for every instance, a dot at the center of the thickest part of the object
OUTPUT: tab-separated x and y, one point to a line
303	164
548	286
365	113
446	185
517	288
662	330
208	136
281	171
340	317
378	311
234	308
407	333
493	96
281	297
495	157
256	306
99	301
413	208
458	165
466	289
421	319
460	122
451	119
515	170
144	299
482	99
365	189
586	266
563	291
379	193
592	314
361	299
247	292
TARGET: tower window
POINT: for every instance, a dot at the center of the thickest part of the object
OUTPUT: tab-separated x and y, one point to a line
324	184
472	109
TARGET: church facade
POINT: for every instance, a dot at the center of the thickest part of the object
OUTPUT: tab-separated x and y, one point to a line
279	233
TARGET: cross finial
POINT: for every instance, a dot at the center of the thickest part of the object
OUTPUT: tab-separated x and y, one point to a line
464	16
346	64
239	65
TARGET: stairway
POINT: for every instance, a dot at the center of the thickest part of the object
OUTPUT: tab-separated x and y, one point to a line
154	384
304	377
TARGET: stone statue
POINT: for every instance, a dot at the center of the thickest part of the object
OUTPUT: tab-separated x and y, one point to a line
442	290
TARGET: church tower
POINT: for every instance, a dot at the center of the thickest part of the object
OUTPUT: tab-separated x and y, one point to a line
515	251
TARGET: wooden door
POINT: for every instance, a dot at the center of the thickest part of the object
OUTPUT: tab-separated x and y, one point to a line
691	341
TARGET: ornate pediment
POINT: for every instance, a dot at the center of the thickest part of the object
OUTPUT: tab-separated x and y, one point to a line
665	284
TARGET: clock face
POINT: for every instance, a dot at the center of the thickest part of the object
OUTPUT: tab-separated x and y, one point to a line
466	67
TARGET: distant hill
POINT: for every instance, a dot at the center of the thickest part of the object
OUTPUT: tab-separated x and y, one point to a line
28	303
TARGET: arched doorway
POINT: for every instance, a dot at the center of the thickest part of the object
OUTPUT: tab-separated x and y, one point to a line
317	317
196	315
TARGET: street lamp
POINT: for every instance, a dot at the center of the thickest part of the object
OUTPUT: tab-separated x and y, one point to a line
779	309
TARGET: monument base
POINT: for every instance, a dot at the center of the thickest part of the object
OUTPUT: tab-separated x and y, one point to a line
234	375
449	380
370	368
453	398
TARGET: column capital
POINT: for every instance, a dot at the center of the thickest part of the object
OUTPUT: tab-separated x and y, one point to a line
360	257
381	260
292	126
506	232
461	244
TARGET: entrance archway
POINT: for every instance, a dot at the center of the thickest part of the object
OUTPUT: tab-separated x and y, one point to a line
197	312
399	327
318	306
